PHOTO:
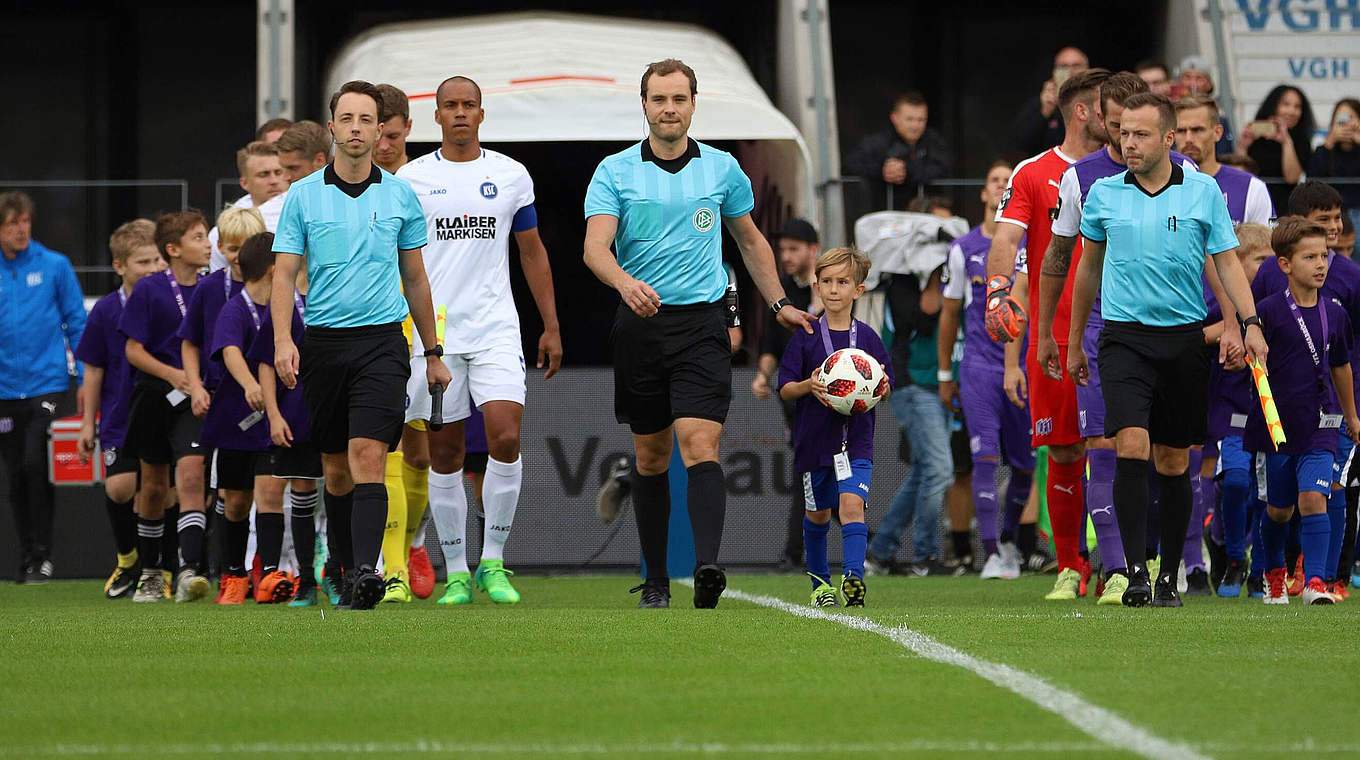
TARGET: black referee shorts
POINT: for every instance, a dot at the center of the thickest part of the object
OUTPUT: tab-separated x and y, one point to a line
354	381
1156	378
677	363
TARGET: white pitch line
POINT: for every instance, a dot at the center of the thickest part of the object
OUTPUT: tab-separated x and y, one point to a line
1096	722
350	749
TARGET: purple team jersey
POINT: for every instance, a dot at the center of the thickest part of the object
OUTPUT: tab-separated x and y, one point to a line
1232	397
211	295
1234	183
152	316
1341	286
221	427
817	430
292	404
1302	391
103	346
979	350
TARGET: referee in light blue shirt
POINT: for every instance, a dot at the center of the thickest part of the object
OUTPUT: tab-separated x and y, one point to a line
662	204
361	230
1149	231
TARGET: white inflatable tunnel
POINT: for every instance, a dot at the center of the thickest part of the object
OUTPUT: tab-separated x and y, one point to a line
548	77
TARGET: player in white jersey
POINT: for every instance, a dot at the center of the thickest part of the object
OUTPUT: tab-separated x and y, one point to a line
263	180
474	199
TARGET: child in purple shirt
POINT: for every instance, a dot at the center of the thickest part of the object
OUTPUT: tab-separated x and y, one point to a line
161	426
108	389
1310	342
214	291
235	426
821	436
293	457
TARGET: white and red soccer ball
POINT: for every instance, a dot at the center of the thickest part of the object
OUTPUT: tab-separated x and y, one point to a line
854	381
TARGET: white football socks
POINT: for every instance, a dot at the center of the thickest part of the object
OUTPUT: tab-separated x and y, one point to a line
448	507
500	496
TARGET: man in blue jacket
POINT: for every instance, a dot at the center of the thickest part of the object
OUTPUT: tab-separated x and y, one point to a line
41	314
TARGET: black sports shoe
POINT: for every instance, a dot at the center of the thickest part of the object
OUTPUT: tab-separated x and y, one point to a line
854	591
123	582
656	595
1256	586
709	582
1165	593
1234	573
1218	561
368	590
1197	583
957	566
1040	562
1139	592
346	592
39	571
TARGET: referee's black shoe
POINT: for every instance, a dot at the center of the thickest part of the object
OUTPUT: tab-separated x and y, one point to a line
1165	593
369	589
1139	592
656	595
709	582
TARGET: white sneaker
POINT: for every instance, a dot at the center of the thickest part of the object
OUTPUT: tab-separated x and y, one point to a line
1010	556
151	588
992	568
1316	593
191	586
1275	590
873	567
1182	585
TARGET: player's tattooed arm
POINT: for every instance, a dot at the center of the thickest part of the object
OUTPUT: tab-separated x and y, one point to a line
1058	257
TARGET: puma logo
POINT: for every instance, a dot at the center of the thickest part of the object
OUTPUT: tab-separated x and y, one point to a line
1069	490
1107	510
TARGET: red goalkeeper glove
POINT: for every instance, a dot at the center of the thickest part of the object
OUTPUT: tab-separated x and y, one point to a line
1005	316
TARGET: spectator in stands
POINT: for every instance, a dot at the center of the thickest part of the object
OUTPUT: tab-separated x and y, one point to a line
1156	74
304	148
1345	242
1192	78
1339	154
798	247
1039	125
263	179
1283	146
899	162
43	314
272	130
395	115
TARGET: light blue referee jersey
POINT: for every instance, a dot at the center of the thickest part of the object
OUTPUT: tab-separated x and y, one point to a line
1156	244
350	235
670	230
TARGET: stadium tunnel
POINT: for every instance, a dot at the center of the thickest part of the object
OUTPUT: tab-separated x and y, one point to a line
559	102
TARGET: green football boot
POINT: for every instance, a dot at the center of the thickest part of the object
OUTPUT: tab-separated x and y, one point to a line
824	594
457	589
494	579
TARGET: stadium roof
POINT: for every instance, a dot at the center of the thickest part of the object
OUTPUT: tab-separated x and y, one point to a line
557	76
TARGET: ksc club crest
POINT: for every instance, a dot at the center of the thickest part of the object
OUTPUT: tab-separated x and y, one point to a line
489	190
703	219
110	456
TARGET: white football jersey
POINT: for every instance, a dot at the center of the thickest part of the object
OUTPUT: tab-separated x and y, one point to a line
469	208
269	210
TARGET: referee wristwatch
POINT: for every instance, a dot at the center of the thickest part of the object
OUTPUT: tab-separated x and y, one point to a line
436	351
1252	320
780	304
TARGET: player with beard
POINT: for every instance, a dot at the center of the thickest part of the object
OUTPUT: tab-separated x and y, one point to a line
1028	209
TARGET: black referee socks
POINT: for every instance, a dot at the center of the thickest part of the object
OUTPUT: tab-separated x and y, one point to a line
339	540
1131	506
1175	506
652	509
707	496
369	521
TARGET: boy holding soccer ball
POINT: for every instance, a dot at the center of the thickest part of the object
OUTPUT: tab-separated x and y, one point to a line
833	452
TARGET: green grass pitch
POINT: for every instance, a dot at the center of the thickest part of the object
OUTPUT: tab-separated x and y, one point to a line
576	671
